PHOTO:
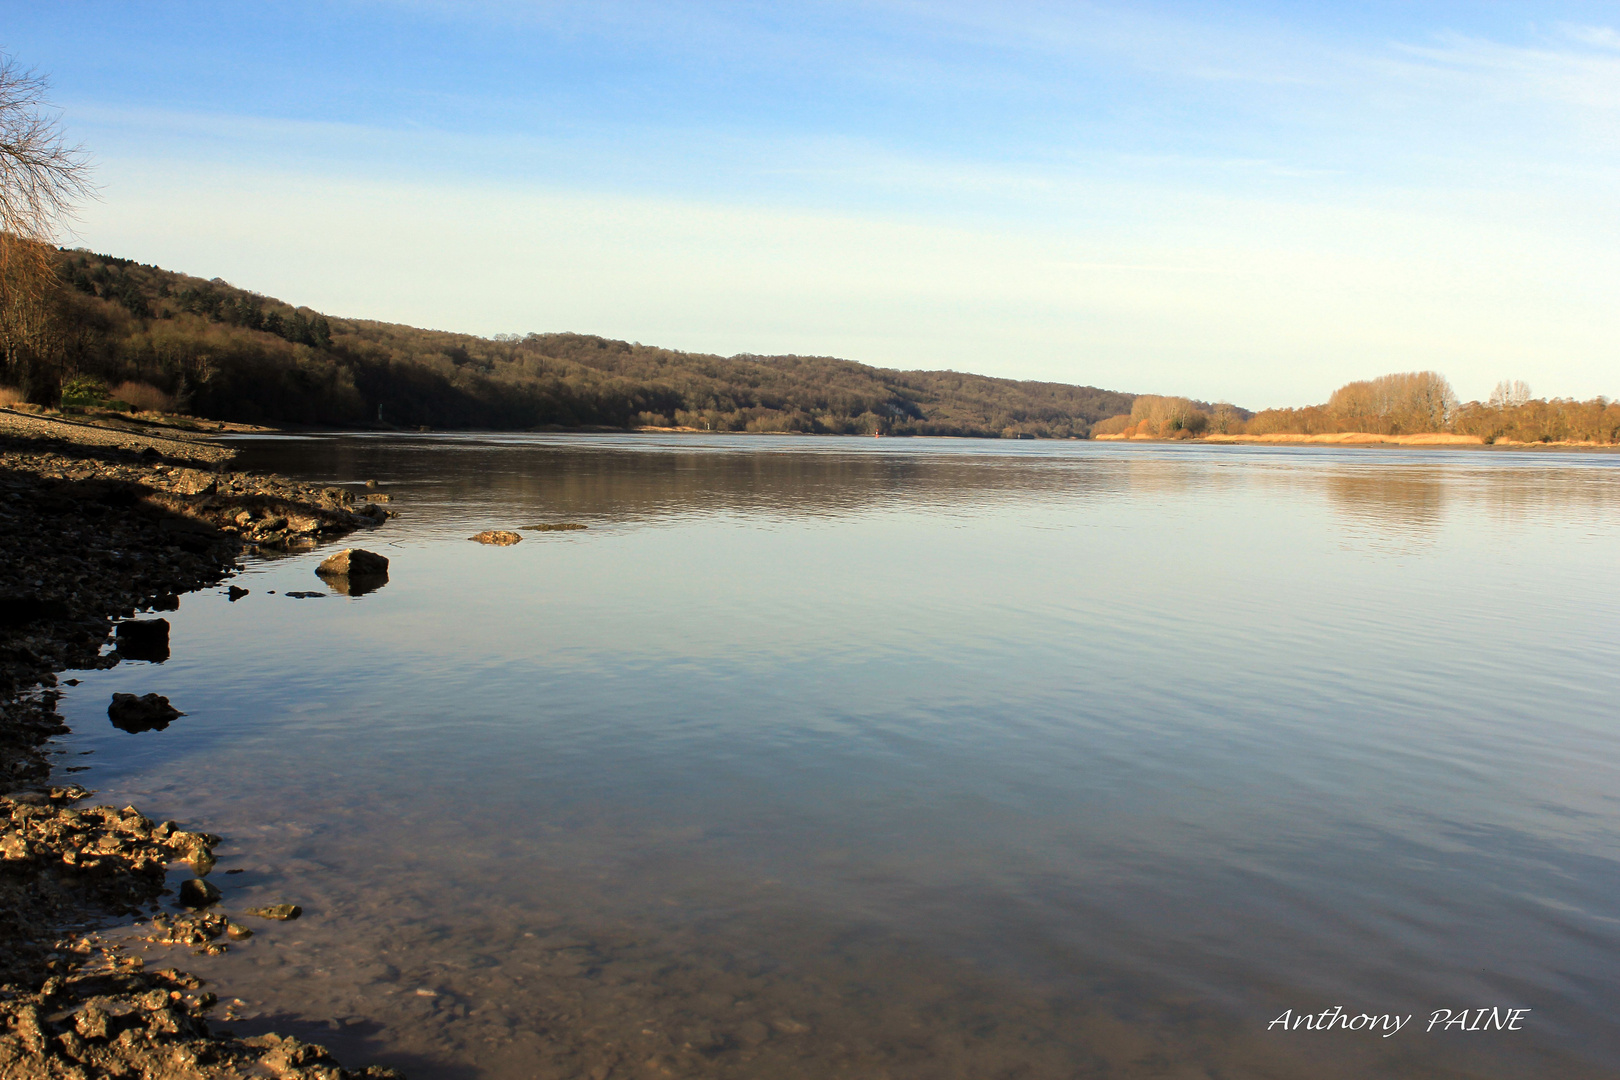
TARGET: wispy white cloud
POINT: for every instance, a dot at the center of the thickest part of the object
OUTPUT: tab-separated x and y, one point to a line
1603	37
1563	75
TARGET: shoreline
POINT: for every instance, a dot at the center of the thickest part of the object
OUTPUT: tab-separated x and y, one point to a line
98	525
175	440
1435	440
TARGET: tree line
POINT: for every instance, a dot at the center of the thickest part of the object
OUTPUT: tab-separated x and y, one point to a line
1408	403
229	354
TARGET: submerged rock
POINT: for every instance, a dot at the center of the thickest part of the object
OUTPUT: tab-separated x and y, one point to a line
559	526
498	537
150	712
276	911
354	572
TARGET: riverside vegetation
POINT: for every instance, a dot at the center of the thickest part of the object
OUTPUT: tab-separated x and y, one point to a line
96	526
1417	407
111	334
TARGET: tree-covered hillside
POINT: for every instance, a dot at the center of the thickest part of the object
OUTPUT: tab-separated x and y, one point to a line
228	354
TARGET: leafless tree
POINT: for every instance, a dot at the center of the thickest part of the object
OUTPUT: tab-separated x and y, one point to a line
1509	394
42	177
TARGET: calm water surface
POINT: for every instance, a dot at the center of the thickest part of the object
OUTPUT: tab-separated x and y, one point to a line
914	758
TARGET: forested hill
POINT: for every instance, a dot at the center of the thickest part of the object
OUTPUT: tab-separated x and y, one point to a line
229	354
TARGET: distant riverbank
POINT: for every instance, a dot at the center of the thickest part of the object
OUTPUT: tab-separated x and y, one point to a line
1365	438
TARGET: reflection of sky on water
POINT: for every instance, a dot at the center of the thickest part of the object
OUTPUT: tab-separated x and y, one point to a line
1234	724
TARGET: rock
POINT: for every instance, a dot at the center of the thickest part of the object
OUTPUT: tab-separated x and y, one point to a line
371	483
379	497
235	593
198	893
498	537
561	526
353	562
237	932
143	639
136	714
91	1023
202	861
276	911
306	595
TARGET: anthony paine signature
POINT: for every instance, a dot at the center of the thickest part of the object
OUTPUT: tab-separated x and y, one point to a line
1387	1024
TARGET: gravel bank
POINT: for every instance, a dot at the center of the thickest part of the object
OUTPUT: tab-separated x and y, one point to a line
134	436
100	531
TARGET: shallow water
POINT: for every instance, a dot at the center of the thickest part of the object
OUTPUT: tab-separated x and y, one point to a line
913	758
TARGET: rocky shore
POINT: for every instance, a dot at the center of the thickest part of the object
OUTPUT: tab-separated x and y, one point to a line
100	532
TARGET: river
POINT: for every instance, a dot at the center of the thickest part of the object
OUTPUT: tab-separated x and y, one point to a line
817	757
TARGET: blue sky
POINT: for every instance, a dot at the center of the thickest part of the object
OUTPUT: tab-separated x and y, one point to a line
1248	202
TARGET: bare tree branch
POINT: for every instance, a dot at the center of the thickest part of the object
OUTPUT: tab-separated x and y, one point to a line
42	178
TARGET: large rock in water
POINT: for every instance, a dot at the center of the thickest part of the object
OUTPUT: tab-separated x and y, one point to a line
353	562
136	714
498	537
198	893
143	639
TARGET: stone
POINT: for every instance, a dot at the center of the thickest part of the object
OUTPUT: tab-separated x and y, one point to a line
150	712
197	893
91	1023
143	639
353	562
235	593
497	537
282	912
237	932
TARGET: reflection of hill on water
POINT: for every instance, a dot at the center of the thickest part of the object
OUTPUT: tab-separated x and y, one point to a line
593	481
1404	499
1415	500
613	479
